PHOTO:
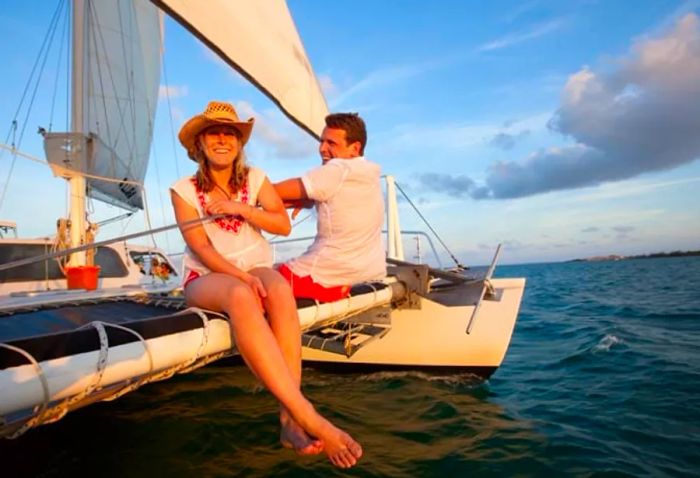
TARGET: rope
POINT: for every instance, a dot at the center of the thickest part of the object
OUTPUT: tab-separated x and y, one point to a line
60	243
44	386
452	256
205	336
145	378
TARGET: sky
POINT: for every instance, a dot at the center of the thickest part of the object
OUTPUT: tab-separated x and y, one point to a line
560	129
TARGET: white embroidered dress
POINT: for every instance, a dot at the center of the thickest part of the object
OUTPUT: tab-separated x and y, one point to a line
234	238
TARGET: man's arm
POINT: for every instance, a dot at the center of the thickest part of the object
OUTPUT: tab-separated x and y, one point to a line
291	190
293	194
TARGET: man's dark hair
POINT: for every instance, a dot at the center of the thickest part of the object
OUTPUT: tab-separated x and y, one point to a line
353	126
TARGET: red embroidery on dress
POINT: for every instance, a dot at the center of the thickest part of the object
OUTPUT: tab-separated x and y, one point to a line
229	223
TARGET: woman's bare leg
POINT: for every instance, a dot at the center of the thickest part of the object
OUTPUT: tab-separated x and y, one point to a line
258	346
284	322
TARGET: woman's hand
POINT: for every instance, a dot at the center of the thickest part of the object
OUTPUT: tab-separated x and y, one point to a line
226	206
256	285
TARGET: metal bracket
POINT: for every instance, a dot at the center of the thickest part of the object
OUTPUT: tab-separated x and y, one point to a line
377	315
416	279
344	338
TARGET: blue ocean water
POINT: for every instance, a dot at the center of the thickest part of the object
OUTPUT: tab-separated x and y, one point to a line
602	379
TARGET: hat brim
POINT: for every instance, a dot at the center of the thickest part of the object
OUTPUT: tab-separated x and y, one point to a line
194	127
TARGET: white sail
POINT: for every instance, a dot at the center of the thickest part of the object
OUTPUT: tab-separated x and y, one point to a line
259	39
120	79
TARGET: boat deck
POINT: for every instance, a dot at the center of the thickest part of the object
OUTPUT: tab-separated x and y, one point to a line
62	329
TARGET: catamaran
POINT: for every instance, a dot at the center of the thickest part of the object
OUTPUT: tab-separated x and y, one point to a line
83	320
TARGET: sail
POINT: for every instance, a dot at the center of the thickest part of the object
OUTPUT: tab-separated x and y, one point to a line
259	39
121	49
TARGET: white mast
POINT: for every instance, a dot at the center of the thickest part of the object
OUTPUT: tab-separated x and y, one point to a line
76	180
394	242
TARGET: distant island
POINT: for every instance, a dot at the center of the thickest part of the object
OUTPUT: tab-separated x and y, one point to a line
655	255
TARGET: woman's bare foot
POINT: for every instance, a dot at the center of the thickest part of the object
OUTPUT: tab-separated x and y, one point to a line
342	450
294	437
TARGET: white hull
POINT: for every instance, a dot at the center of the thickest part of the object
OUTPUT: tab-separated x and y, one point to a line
435	336
72	382
68	377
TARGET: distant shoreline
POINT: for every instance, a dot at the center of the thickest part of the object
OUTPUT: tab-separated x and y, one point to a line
655	255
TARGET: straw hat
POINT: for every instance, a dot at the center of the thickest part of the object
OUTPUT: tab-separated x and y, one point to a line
217	113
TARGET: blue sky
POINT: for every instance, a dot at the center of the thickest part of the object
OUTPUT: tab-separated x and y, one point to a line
562	129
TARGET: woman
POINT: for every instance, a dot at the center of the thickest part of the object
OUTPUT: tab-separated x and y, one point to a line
228	267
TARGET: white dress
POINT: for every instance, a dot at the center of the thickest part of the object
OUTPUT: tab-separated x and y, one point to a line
234	238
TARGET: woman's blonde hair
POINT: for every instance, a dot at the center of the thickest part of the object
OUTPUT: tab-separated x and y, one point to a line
203	176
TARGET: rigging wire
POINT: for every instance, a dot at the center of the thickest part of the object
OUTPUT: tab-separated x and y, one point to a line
64	35
41	58
147	215
160	192
94	25
452	256
36	85
49	34
170	116
69	72
154	150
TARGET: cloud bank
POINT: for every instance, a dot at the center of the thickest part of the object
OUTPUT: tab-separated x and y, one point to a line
641	117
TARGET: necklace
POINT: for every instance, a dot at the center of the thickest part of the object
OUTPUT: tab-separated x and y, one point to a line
226	193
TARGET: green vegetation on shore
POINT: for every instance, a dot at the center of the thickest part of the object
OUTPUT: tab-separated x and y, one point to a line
654	255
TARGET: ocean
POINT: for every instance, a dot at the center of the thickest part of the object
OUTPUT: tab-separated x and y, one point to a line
602	379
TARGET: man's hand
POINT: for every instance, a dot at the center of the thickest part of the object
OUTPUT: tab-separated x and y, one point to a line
298	205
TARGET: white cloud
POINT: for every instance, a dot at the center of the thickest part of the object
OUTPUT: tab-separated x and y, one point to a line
620	190
172	91
520	37
643	116
285	140
327	86
457	136
386	76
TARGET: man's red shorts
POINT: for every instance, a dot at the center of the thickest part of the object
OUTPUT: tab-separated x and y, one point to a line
305	287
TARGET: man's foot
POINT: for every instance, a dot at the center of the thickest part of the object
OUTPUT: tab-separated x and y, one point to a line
294	437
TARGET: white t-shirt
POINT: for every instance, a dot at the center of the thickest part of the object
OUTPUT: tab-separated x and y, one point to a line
233	237
348	247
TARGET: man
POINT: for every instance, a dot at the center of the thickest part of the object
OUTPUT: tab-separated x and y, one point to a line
347	194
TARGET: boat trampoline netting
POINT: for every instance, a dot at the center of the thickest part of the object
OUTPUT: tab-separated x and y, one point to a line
60	330
54	332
